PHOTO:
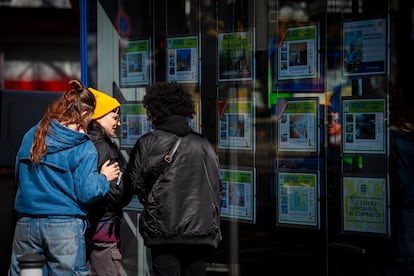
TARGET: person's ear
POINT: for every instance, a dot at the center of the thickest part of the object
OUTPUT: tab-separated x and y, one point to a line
86	113
87	116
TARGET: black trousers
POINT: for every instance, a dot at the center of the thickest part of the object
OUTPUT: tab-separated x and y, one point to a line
180	260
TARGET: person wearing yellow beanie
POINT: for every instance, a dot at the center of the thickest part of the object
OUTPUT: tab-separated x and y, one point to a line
104	103
105	216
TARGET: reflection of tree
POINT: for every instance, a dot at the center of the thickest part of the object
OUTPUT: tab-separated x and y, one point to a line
233	55
226	58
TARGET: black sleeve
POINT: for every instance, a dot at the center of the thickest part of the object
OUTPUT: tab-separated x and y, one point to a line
119	194
134	173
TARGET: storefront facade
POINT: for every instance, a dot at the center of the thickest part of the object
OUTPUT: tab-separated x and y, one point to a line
307	105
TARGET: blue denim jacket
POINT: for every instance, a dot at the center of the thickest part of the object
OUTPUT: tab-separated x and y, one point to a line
65	180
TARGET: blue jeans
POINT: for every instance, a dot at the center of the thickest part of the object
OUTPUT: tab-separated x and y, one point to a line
59	239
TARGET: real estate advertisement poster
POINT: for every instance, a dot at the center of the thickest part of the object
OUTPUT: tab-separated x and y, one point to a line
239	194
235	125
298	198
364	47
134	123
298	53
235	56
364	205
182	59
297	128
134	63
364	129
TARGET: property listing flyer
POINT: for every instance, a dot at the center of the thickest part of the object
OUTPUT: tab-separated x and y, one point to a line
235	125
239	199
182	59
134	123
235	56
297	198
297	125
364	205
364	129
364	47
134	67
298	54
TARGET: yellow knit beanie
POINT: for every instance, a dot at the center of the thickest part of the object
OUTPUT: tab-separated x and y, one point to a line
104	103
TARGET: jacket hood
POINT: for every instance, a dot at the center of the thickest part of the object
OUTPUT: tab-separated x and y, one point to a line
175	124
61	138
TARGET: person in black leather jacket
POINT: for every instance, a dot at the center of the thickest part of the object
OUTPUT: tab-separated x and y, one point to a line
180	221
103	235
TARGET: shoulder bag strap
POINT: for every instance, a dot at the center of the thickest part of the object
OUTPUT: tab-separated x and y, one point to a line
169	157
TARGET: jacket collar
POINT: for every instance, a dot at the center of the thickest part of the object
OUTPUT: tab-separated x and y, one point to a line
175	124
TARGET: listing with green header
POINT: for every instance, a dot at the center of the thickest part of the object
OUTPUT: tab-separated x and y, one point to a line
297	198
298	54
134	123
134	65
364	125
238	200
297	125
235	56
182	59
235	125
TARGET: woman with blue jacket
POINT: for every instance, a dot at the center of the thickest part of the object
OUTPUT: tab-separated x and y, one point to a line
57	177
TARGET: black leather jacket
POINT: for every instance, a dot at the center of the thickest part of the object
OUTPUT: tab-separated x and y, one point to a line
109	208
181	204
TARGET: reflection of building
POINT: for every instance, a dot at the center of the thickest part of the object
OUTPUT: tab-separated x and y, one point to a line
39	45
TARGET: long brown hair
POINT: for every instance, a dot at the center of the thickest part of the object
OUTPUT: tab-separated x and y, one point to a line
67	110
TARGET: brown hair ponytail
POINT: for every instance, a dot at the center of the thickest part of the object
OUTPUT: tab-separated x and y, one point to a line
67	111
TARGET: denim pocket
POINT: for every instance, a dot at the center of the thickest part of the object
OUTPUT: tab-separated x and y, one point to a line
63	237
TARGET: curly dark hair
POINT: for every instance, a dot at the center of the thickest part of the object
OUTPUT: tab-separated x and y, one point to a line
164	99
